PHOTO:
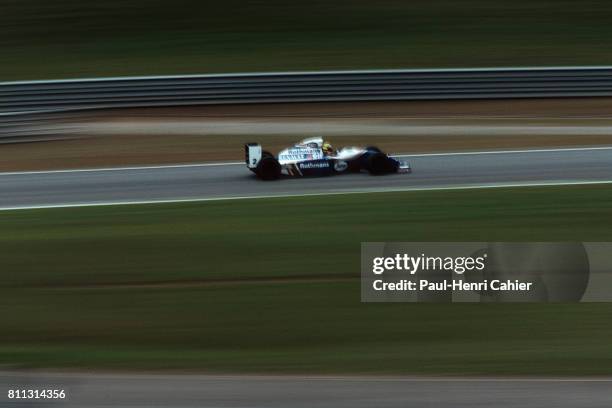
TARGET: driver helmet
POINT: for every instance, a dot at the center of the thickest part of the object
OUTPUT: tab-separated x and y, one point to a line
327	148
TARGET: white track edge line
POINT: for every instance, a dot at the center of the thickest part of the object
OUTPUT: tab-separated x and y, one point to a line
102	169
485	152
348	192
294	377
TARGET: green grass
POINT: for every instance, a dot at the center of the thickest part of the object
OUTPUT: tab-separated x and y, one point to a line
68	38
65	302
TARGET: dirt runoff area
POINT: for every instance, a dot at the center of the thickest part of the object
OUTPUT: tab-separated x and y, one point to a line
156	136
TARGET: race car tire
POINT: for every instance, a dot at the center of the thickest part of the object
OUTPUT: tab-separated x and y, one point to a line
268	169
379	163
354	166
264	154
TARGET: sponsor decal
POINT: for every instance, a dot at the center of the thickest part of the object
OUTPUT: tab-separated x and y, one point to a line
340	165
314	165
300	153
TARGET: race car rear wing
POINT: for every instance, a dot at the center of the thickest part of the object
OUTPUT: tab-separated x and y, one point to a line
252	154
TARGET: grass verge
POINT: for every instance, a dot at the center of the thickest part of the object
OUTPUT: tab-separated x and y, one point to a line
272	286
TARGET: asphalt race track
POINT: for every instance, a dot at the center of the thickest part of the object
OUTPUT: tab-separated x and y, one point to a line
129	390
206	181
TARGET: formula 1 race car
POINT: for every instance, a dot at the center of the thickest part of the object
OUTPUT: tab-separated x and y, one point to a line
314	158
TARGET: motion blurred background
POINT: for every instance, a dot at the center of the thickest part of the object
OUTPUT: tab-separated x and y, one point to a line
230	287
69	38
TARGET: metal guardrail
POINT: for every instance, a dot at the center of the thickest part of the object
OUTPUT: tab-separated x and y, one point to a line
20	101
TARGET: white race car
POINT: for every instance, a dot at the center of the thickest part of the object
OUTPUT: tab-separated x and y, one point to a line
308	159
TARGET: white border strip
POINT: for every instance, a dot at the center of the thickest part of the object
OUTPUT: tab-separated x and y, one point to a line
348	192
313	73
